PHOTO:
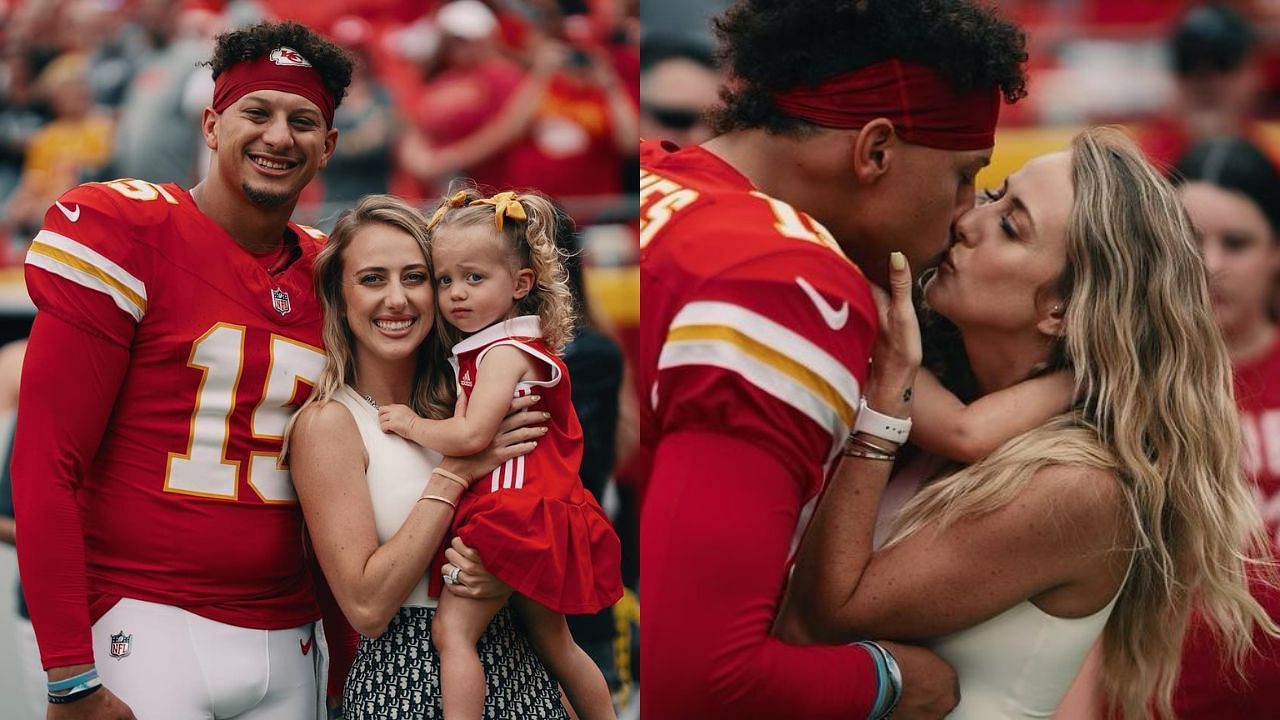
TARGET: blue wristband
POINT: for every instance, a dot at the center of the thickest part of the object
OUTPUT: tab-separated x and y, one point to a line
888	680
74	680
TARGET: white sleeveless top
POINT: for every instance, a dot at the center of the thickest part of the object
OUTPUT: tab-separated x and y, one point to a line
398	471
1018	664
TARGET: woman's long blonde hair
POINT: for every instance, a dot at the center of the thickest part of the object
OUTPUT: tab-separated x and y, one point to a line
1156	408
433	388
533	244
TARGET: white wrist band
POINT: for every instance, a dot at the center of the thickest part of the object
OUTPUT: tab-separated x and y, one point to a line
879	425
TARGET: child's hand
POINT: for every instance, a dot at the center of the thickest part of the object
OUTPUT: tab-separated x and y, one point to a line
396	419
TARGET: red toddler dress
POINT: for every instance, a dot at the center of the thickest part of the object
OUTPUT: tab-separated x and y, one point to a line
535	526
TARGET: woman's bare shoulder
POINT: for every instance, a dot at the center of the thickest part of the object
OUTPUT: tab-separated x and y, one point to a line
322	423
1084	501
325	416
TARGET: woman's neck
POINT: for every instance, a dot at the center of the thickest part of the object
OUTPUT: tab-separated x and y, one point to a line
999	361
386	382
1249	342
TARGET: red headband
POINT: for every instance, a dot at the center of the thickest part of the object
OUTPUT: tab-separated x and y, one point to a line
922	105
282	69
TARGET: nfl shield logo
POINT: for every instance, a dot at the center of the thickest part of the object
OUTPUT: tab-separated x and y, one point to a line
120	645
280	301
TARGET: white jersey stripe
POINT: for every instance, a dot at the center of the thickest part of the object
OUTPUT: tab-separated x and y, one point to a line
495	476
769	333
520	472
767	378
84	278
129	285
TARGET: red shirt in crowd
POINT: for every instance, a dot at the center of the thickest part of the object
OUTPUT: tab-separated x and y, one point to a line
1206	687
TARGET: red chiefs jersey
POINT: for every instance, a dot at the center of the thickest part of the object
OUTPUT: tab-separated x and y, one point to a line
754	321
537	528
1205	688
754	346
187	502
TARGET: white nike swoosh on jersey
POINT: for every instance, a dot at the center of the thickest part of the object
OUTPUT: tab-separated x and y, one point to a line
72	215
835	319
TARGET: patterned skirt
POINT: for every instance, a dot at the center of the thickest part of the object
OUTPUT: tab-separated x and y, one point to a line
397	676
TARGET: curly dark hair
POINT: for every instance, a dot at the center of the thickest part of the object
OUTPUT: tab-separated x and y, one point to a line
773	45
331	62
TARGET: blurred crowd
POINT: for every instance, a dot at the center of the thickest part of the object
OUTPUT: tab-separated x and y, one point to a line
1174	71
512	93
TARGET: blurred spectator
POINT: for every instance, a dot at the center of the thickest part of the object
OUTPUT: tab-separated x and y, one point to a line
595	364
687	20
158	137
678	84
1218	83
468	82
583	130
71	148
22	114
1232	194
366	123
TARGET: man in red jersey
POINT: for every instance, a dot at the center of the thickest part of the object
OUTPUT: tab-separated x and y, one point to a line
870	119
176	333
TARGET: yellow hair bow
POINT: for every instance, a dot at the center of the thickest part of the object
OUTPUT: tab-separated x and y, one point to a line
504	205
455	200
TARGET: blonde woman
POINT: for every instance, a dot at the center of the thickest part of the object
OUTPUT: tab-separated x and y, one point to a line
1114	518
378	507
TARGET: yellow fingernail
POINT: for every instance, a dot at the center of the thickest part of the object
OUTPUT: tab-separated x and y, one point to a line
897	261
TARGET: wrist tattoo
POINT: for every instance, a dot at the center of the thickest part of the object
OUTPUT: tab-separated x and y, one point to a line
906	395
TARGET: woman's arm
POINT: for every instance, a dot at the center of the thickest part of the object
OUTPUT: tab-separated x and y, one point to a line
328	464
1056	534
945	426
368	581
939	580
471	429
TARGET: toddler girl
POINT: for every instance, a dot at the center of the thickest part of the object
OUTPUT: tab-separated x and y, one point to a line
507	310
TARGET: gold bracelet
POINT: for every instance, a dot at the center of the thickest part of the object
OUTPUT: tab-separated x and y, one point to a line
858	440
451	477
441	498
868	455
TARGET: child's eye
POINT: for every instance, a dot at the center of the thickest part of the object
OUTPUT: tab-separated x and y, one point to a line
443	280
474	277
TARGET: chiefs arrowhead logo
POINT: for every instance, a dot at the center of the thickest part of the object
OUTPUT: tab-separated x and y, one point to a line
287	56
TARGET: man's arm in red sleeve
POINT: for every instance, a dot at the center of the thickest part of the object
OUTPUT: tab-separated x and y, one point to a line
716	533
70	380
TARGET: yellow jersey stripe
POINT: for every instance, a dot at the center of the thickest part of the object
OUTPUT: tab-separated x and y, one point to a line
766	355
83	266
